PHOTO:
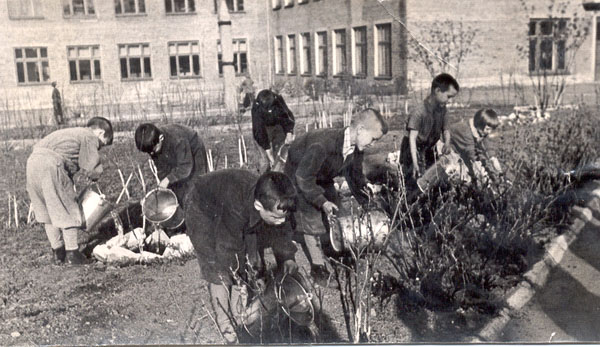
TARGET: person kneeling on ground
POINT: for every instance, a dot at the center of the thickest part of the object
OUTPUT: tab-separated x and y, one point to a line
231	216
272	126
314	160
50	169
178	153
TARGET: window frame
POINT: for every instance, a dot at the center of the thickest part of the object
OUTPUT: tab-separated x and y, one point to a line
190	56
92	59
288	3
279	52
363	46
305	54
318	59
86	9
236	5
335	45
39	60
237	56
291	56
34	6
142	63
377	44
276	4
538	37
137	9
178	13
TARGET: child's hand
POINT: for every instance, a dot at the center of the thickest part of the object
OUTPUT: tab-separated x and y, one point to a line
415	172
446	150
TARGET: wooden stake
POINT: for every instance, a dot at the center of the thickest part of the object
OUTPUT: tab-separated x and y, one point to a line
240	152
245	151
226	161
8	223
123	183
29	213
142	180
16	211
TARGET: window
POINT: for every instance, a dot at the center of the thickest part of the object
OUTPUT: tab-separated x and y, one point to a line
339	52
84	63
180	6
359	58
184	59
302	2
305	63
547	45
125	7
291	44
24	9
32	65
78	8
288	3
235	5
321	57
240	56
135	61
384	50
276	4
279	54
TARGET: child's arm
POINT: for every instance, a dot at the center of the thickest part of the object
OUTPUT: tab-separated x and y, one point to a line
412	141
447	136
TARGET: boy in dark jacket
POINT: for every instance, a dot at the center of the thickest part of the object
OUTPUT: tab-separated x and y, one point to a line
426	124
50	169
314	160
470	141
231	216
272	126
178	153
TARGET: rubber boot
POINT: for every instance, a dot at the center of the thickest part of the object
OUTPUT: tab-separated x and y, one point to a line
59	255
75	257
219	298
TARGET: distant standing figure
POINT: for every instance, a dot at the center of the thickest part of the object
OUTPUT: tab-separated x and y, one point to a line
178	153
57	104
246	91
272	126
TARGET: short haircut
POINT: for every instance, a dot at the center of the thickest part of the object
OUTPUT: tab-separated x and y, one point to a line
266	98
485	117
275	190
444	81
147	136
104	124
369	115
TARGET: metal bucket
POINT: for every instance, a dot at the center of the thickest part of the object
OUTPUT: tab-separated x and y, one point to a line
370	230
160	206
93	206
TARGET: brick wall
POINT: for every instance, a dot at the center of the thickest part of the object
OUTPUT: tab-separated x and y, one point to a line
107	30
501	25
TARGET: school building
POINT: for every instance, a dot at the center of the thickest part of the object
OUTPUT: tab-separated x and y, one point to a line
146	51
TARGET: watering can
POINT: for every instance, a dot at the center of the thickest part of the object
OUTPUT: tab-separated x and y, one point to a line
160	206
94	207
369	230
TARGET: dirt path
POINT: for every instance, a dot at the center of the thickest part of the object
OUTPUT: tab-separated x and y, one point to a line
567	308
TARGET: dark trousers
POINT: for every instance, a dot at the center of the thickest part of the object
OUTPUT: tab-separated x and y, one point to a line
425	157
277	139
312	227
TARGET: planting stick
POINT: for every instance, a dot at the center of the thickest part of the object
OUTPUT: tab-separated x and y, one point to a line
124	188
123	183
209	161
306	127
16	211
29	213
244	147
154	171
240	152
9	211
226	161
142	179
